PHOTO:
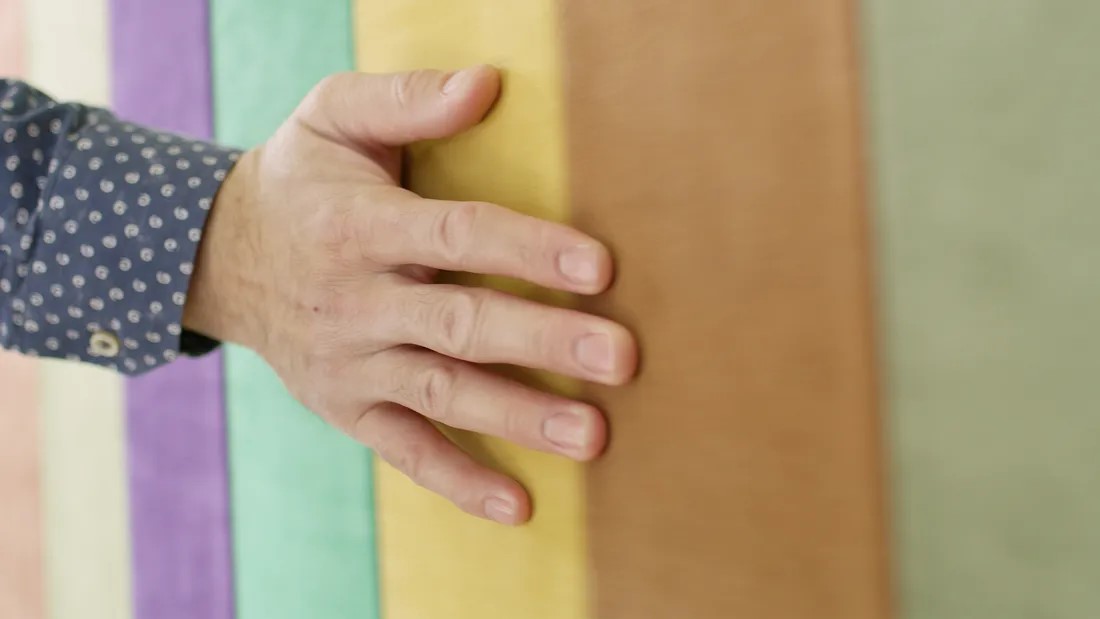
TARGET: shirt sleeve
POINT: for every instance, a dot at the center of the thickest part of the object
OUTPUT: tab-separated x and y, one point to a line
100	222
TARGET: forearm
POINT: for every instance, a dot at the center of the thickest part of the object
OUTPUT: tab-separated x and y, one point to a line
100	222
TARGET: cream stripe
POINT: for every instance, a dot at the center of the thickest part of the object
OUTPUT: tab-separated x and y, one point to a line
87	547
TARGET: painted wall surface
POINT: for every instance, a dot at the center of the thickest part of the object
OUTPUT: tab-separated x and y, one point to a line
985	140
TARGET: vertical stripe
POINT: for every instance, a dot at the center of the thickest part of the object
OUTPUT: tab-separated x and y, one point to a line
987	143
21	588
303	528
179	512
12	43
84	488
436	560
715	145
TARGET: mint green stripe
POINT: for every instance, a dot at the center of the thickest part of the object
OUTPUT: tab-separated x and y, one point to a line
986	116
301	495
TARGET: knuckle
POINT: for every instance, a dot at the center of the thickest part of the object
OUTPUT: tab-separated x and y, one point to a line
437	392
454	230
457	322
412	460
403	86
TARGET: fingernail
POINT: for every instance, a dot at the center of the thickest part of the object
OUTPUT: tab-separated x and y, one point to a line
500	509
456	81
566	430
578	264
594	352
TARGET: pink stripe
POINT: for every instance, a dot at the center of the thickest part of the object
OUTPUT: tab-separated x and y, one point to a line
175	415
21	591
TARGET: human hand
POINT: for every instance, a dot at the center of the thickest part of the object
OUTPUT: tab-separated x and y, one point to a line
315	257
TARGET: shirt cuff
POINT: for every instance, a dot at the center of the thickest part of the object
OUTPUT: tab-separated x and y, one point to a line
113	246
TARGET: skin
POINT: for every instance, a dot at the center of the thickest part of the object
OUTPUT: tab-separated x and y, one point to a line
316	258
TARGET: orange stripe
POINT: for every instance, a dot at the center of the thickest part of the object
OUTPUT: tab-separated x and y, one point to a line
715	145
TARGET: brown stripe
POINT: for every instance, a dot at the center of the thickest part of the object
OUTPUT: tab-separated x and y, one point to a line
715	144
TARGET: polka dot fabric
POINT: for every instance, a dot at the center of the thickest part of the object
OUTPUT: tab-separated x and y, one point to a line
100	222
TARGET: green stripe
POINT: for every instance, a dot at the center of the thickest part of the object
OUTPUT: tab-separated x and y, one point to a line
301	495
985	117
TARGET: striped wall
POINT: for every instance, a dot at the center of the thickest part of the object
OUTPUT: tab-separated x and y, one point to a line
856	239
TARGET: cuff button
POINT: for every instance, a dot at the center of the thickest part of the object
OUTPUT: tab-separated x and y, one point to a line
104	344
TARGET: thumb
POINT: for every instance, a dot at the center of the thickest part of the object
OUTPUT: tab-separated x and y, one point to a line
401	108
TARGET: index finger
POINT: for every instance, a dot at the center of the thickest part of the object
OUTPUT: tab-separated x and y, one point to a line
480	237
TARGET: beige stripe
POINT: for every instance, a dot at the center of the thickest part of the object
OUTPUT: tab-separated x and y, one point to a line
87	546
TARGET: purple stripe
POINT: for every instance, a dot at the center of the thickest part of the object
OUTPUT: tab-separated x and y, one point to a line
179	499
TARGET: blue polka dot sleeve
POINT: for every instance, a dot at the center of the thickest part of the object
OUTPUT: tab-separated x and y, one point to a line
100	222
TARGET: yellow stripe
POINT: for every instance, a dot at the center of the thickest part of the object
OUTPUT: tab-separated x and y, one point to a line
84	500
437	562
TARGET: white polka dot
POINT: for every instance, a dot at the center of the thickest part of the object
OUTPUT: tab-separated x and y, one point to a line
180	213
133	316
57	203
72	334
132	177
156	307
116	294
17	190
101	272
78	281
95	216
194	235
87	251
131	231
124	264
81	194
56	290
110	241
139	286
174	329
62	259
171	244
95	163
106	186
146	254
96	304
155	222
119	207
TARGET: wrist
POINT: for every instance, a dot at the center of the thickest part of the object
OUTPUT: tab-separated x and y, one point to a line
221	295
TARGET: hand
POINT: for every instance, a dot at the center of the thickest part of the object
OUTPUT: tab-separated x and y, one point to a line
314	257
